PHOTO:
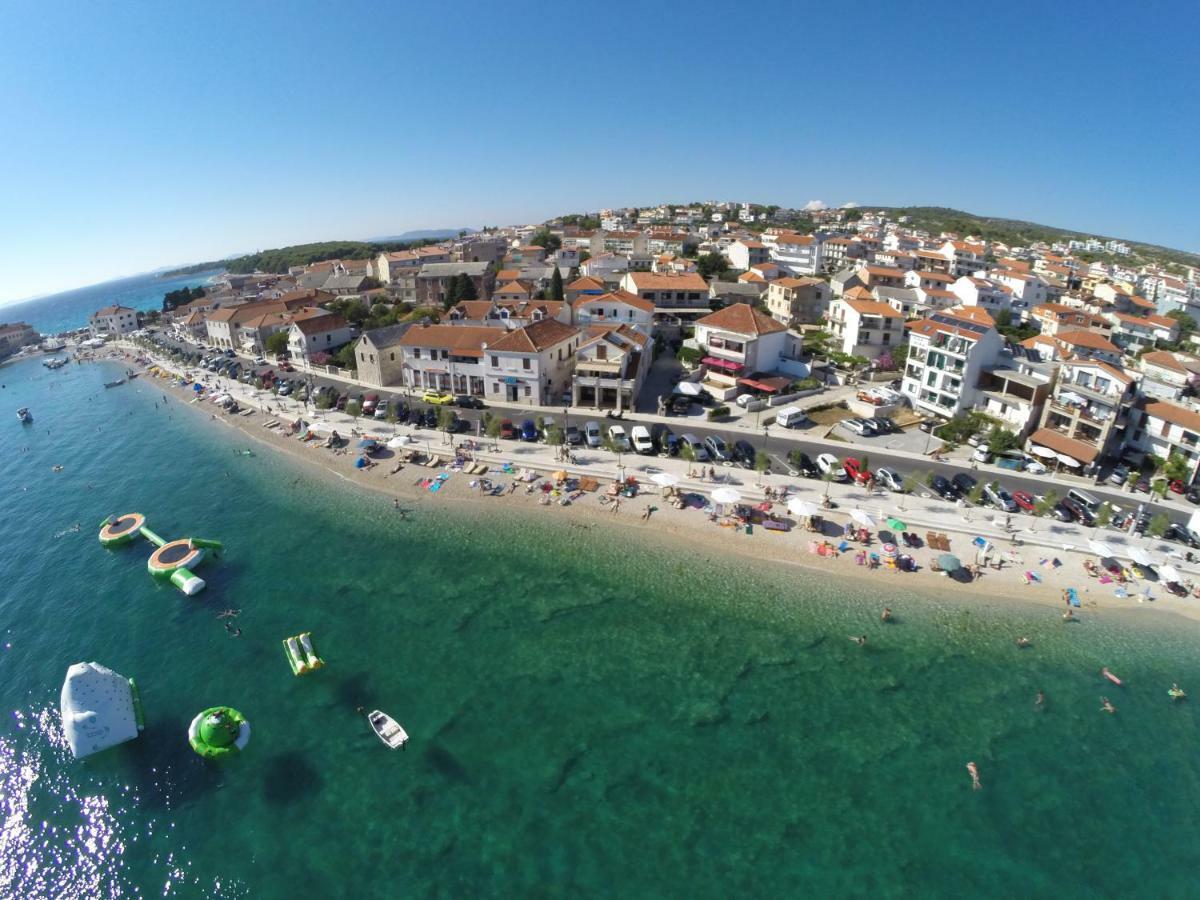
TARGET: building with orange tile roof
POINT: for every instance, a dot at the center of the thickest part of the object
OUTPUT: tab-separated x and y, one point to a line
947	353
532	364
864	326
611	365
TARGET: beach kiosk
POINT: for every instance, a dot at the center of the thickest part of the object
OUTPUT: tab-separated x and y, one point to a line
100	709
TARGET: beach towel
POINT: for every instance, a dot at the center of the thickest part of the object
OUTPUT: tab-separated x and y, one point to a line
980	543
1121	592
843	547
1105	579
1073	596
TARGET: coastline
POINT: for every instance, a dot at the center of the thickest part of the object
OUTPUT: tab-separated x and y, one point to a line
689	532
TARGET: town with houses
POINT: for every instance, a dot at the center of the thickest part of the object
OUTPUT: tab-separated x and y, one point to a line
1085	363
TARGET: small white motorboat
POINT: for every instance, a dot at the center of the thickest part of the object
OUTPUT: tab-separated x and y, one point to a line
388	729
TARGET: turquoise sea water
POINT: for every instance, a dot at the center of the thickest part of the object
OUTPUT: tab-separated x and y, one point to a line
70	309
589	718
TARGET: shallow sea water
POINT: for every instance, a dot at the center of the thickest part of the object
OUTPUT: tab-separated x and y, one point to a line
589	716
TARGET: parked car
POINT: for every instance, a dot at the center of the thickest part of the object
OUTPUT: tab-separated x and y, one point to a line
928	425
1120	474
529	430
998	497
343	399
1182	534
1177	487
1078	511
744	454
438	398
1062	513
381	409
717	448
890	479
284	388
1193	495
661	435
680	405
858	426
466	401
619	439
858	473
547	424
285	366
259	361
982	454
591	433
1024	500
507	431
750	402
1033	467
573	435
885	425
639	436
873	427
963	483
369	403
804	464
1142	485
832	466
696	446
942	487
976	440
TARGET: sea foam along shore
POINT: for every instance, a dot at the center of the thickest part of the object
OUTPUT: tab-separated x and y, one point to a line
691	531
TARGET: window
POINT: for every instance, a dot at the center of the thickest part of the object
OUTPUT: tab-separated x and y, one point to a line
495	362
526	364
528	390
392	356
416	352
372	357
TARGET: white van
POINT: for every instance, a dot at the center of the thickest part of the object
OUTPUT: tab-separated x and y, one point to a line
790	417
1084	499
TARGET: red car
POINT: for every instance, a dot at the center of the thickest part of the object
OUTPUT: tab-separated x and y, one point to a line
1177	487
855	470
285	366
507	431
1024	500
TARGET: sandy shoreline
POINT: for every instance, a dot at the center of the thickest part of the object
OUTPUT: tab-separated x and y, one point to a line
691	531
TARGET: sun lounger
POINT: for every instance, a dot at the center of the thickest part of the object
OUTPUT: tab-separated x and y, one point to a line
932	540
480	468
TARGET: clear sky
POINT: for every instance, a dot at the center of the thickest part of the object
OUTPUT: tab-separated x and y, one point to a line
139	135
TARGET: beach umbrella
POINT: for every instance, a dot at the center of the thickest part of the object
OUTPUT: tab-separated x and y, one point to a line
665	479
398	441
1140	556
1101	549
798	507
1069	461
888	549
1169	574
1043	452
949	562
862	518
366	442
560	475
896	525
726	495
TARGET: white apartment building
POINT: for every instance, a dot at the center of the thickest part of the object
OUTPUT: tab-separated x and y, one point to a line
799	254
615	308
946	355
112	321
1028	290
1085	418
738	341
532	364
986	293
446	357
862	325
744	253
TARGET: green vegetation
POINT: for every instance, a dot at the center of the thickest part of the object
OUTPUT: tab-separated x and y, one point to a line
1014	333
546	240
556	285
280	259
353	408
689	356
1001	440
975	497
717	412
345	357
806	384
710	265
1158	525
1048	502
1104	515
276	343
446	417
460	288
762	462
173	299
1176	468
964	425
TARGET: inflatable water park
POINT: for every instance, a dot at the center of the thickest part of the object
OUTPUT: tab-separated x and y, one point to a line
301	655
100	709
219	731
172	560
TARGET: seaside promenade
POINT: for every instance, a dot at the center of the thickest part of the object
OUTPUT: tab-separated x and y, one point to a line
1024	543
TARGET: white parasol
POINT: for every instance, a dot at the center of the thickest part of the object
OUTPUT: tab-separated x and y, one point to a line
1140	556
726	495
665	479
862	517
399	441
798	507
1101	549
1169	574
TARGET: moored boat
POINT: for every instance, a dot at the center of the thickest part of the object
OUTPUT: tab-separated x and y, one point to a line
119	381
1110	676
388	729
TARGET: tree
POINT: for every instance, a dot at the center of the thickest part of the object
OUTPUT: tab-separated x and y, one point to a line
1133	478
492	426
1104	515
276	343
1158	525
976	496
346	358
446	419
556	285
1176	467
353	409
555	436
710	265
549	242
762	464
1001	440
467	289
1048	502
1186	323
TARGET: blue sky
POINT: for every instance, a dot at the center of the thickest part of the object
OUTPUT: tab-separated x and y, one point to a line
139	135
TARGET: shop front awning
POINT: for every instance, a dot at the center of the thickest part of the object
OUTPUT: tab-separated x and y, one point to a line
1064	447
766	385
727	364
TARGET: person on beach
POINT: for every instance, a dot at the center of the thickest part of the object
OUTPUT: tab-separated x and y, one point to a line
616	505
646	514
886	615
1107	706
974	770
1069	615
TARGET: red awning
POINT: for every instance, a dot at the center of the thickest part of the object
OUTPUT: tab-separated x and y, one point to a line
758	385
727	364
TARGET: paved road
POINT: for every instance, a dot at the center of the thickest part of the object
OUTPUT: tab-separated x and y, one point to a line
777	443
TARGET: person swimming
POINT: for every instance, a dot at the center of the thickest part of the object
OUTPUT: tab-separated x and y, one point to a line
1040	702
886	615
1106	706
1022	642
974	770
861	639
